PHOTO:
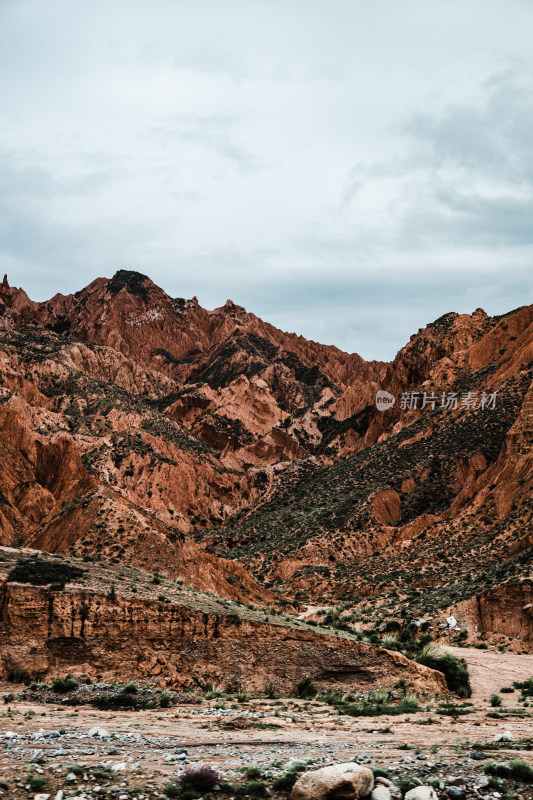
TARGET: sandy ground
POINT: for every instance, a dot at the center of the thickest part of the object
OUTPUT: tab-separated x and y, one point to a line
490	671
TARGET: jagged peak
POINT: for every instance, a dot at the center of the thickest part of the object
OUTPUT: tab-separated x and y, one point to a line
229	307
134	282
5	282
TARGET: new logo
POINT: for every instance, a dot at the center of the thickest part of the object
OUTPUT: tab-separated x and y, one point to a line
384	400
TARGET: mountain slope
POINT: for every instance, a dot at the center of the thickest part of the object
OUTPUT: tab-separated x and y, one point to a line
140	428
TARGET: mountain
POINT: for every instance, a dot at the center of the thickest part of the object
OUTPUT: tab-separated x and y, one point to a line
143	429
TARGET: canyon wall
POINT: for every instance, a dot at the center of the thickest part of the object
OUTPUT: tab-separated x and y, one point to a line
49	634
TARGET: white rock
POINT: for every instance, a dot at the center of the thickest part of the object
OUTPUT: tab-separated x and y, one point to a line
100	732
70	777
394	791
348	781
421	793
381	793
506	736
59	795
41	796
120	766
452	622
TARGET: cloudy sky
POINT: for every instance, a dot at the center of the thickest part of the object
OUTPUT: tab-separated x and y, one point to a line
346	169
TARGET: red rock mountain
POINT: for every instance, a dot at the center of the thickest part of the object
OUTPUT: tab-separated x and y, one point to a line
142	428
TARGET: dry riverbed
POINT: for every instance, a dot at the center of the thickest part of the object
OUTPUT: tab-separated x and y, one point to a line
135	754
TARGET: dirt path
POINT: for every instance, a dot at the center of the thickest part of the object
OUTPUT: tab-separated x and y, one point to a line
490	671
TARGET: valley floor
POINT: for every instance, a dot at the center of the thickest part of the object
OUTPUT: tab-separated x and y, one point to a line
138	753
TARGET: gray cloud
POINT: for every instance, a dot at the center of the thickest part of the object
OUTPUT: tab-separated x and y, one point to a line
340	174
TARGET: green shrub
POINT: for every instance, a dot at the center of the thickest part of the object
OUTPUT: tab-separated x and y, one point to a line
375	705
521	771
36	783
130	688
306	688
495	700
212	691
64	685
228	788
526	687
253	773
286	781
405	785
102	773
454	669
514	770
120	702
40	572
453	709
254	789
17	675
4	786
380	773
172	790
507	690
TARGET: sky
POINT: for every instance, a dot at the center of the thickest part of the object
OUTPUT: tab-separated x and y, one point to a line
348	170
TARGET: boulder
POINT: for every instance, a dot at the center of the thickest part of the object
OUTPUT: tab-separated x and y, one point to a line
456	792
381	793
100	732
338	782
421	793
506	736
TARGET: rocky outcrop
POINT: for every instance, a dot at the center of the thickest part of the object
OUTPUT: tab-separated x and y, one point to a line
505	612
49	633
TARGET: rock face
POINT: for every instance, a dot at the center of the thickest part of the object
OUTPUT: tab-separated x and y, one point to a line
341	782
80	631
140	428
506	611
